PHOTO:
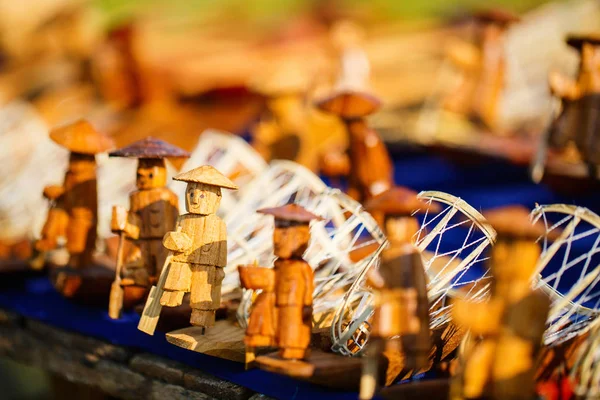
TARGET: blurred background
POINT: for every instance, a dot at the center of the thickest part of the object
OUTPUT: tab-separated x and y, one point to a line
174	68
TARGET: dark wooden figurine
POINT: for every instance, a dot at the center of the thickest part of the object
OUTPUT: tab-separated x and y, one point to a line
501	364
368	163
152	213
579	119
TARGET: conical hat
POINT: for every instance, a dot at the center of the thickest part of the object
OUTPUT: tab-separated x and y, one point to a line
577	41
514	221
81	137
150	148
291	212
496	16
399	201
207	175
350	104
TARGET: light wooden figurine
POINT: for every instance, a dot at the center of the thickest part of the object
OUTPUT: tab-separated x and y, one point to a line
481	61
578	120
501	364
152	213
401	312
293	286
369	166
74	205
198	253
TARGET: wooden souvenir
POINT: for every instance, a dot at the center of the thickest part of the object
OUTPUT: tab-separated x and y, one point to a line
401	310
501	364
199	253
395	211
153	212
370	166
481	61
74	205
580	98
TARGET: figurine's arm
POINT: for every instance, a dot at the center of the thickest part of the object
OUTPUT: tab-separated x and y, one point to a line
53	192
374	279
127	222
563	86
334	163
256	278
480	318
177	242
56	221
309	278
463	54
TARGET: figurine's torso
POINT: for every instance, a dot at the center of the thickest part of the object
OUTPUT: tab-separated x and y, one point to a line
208	235
157	210
291	282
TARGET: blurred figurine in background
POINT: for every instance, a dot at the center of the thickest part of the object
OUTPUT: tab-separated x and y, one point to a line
368	163
293	283
481	61
401	311
74	205
579	119
199	247
152	213
501	364
394	210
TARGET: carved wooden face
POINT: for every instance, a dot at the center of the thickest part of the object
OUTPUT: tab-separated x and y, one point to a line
401	229
290	241
202	199
81	163
151	173
514	260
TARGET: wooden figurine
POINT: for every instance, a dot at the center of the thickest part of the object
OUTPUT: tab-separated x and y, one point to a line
152	213
578	120
395	211
198	252
74	209
401	310
293	286
482	64
370	168
501	365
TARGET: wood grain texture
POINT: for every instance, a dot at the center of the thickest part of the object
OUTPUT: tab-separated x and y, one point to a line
224	340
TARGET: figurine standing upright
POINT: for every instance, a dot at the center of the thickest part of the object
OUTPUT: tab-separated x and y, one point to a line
199	247
74	209
152	213
293	280
501	365
369	166
578	120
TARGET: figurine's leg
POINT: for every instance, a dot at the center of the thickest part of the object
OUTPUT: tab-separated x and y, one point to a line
293	334
513	371
477	369
206	294
178	282
81	239
55	227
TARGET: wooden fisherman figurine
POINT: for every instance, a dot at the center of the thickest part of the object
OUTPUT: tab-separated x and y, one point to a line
578	120
370	167
293	280
502	364
401	309
199	247
152	213
395	210
74	209
262	324
482	62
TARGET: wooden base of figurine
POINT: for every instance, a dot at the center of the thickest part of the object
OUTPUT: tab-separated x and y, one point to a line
89	285
321	368
434	389
224	340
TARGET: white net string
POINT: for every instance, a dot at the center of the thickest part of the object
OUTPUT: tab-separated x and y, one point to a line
452	243
585	373
568	269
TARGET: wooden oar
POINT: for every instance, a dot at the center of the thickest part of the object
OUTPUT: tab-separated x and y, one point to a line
115	304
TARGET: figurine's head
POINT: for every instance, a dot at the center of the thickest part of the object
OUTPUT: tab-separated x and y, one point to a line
590	58
514	260
401	229
292	229
151	173
203	193
81	163
202	199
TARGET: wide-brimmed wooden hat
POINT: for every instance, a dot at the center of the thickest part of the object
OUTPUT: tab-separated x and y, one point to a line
577	41
514	221
291	212
350	104
399	200
150	147
207	175
81	137
496	16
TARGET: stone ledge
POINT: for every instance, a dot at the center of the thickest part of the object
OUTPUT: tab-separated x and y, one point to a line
117	371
